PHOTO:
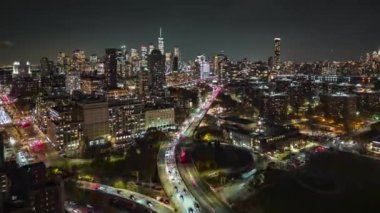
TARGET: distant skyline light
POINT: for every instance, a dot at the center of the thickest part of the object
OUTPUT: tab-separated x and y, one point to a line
309	30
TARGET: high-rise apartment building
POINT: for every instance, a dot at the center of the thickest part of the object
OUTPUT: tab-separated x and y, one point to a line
277	50
156	67
111	67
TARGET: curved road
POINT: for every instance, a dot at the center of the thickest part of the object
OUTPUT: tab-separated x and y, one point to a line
135	197
181	182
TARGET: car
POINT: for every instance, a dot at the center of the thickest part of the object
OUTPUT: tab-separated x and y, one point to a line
132	197
118	191
150	204
184	190
190	210
182	198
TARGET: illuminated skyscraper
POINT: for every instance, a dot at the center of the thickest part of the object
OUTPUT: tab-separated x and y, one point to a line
161	43
78	60
156	66
28	67
144	51
111	67
73	81
124	49
203	66
16	66
168	62
21	68
63	63
143	79
176	59
93	61
277	49
151	48
134	53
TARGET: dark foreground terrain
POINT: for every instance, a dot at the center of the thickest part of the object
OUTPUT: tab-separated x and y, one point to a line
331	182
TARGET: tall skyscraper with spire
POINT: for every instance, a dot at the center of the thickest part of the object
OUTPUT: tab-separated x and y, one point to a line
161	43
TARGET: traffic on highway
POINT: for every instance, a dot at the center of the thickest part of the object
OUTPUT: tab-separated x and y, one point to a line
174	183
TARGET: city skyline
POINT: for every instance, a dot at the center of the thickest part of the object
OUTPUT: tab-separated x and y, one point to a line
189	106
323	30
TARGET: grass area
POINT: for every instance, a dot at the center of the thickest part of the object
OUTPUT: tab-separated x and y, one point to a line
138	165
220	156
215	161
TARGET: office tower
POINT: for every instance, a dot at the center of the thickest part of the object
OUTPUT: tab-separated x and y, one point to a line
218	66
63	63
47	66
60	59
122	66
203	66
28	68
78	60
143	79
134	53
72	81
93	58
21	68
277	49
168	62
124	49
151	48
16	66
156	66
93	62
176	59
161	46
144	51
274	106
111	68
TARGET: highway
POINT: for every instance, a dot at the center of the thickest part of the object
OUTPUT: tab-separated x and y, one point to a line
205	196
181	182
131	196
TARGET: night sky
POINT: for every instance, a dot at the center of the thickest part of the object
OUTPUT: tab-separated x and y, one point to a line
310	30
